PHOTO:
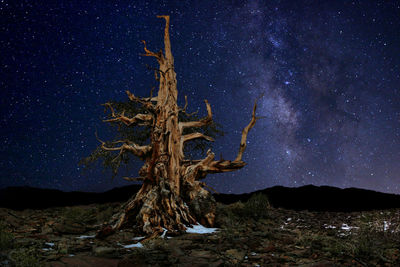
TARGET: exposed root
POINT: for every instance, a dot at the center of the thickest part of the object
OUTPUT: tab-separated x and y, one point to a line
158	208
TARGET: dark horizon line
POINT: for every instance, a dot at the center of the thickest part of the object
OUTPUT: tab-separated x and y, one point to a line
221	193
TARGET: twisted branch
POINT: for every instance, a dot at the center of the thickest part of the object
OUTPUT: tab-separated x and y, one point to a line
185	107
191	136
243	141
146	102
209	165
127	146
205	121
144	119
134	179
159	56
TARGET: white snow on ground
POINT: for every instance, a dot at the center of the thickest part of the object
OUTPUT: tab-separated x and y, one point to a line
137	245
329	226
138	238
200	229
86	236
386	225
163	234
346	227
50	244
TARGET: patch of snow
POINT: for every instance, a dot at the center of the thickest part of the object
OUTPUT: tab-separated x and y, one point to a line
137	245
200	229
71	255
289	219
163	234
138	238
47	249
346	227
49	244
86	236
386	225
329	226
253	253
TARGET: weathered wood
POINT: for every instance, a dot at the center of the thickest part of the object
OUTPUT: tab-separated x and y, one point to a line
171	196
245	133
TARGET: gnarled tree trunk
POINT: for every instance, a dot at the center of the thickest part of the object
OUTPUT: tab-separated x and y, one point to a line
172	196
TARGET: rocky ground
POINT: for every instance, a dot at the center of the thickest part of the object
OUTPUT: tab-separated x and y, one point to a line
249	234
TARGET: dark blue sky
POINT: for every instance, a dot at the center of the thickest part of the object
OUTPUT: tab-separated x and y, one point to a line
329	71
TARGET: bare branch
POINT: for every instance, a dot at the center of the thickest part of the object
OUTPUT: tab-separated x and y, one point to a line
167	42
186	104
209	165
185	107
151	95
159	56
200	123
145	119
219	167
191	136
200	168
146	102
209	187
137	150
163	73
156	76
134	179
245	131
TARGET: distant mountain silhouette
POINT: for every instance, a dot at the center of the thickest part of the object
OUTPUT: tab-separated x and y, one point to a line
37	198
313	198
321	198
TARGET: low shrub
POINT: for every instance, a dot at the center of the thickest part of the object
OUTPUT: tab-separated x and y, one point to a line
257	206
6	238
79	215
25	258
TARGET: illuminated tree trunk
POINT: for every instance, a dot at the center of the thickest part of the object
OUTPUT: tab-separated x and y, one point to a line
172	196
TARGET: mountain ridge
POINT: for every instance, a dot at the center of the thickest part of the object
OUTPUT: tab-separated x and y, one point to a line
308	197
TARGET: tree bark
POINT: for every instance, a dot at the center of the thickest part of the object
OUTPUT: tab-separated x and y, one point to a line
171	197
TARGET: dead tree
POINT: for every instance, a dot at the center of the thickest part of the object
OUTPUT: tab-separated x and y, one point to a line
172	195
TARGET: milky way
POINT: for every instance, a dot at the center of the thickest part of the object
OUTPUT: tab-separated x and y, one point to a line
328	74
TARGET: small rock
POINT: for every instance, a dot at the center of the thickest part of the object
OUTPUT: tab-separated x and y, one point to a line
69	228
201	254
176	252
235	255
46	229
133	260
106	252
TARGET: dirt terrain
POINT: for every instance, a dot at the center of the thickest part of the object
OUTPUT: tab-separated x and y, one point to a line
249	234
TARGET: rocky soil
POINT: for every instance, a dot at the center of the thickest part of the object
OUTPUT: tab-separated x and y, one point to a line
249	234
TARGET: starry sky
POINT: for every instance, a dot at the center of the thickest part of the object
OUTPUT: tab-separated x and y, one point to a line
329	72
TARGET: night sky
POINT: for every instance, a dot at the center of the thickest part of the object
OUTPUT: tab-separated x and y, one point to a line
329	71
